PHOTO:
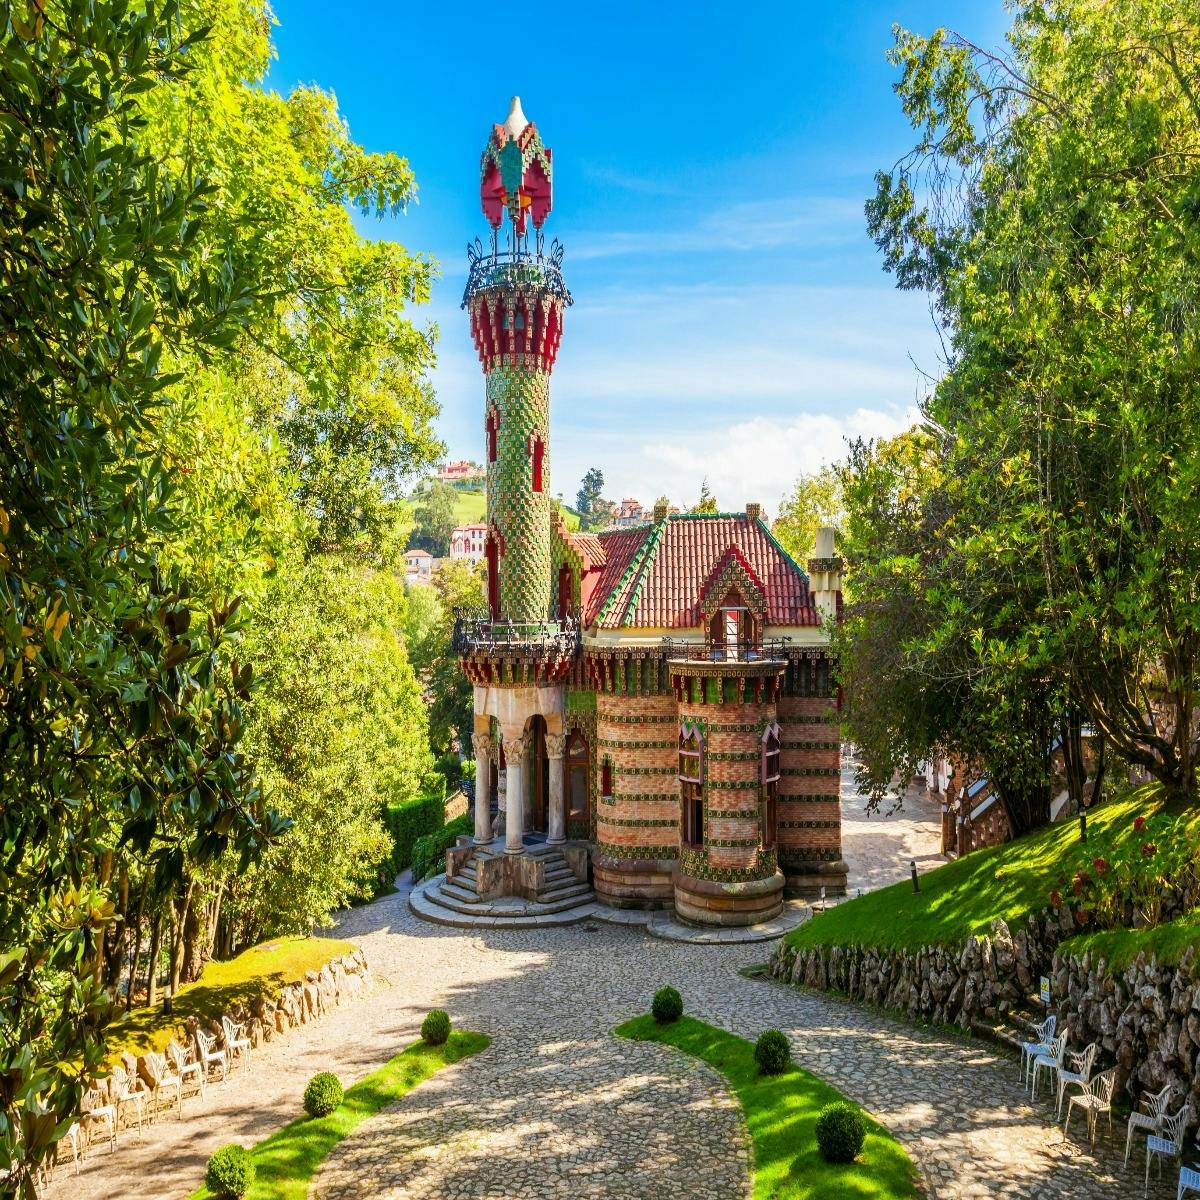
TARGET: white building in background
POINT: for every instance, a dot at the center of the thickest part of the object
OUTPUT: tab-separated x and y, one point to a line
418	566
467	543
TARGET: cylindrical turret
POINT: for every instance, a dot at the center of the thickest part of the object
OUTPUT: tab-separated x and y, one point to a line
516	299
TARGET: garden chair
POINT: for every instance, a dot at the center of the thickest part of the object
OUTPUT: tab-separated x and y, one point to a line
1051	1061
1151	1119
1169	1143
210	1055
236	1041
186	1067
127	1090
163	1079
98	1108
1042	1033
71	1137
1096	1098
1189	1181
1078	1070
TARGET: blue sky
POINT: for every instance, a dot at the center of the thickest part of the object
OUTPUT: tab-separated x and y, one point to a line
711	161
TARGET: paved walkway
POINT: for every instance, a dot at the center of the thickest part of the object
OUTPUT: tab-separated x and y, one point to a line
558	1107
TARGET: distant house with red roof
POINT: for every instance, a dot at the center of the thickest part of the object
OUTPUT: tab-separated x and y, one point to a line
460	471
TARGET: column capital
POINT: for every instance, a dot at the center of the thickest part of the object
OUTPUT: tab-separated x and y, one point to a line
556	745
516	745
484	745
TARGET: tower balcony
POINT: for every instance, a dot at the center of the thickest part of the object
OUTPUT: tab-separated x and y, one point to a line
516	268
515	653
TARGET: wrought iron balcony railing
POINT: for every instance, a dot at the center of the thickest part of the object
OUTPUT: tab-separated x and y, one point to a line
520	265
763	650
473	633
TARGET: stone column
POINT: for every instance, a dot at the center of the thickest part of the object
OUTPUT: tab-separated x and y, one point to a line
515	749
556	745
481	743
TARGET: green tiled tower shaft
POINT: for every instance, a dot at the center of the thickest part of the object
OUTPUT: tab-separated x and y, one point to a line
518	402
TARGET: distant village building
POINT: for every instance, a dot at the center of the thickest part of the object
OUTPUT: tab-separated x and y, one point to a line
418	566
460	472
655	705
467	543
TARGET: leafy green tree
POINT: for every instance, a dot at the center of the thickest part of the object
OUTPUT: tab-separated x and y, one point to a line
121	715
1049	206
590	504
814	501
459	588
707	502
329	756
434	518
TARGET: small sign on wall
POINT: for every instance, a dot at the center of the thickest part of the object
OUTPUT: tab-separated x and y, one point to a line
1045	990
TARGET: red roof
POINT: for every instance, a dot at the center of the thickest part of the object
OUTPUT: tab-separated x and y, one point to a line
656	574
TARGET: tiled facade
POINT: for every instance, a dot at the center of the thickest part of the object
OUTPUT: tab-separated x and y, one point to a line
676	672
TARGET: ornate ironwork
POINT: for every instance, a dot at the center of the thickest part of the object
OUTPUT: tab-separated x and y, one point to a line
474	634
763	650
515	266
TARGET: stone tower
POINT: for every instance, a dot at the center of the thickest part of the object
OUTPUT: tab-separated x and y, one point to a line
516	297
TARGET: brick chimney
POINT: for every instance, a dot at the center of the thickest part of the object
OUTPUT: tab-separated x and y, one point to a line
754	511
660	511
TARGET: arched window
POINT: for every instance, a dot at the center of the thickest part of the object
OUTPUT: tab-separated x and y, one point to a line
691	784
577	777
539	456
606	778
492	424
770	785
493	577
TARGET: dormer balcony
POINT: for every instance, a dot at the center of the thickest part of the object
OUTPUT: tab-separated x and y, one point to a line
759	651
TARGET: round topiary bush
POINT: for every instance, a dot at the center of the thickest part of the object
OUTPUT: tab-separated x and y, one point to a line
667	1006
840	1132
435	1029
323	1094
772	1052
230	1172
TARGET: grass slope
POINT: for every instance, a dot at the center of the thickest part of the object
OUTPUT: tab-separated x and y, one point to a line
286	1161
781	1111
1009	881
260	971
1119	947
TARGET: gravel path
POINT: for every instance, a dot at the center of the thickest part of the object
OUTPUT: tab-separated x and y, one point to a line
558	1107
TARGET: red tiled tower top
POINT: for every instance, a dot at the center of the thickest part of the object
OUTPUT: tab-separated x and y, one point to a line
655	575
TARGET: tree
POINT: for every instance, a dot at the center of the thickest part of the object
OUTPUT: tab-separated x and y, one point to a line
707	503
814	501
593	509
1055	229
434	518
121	712
459	588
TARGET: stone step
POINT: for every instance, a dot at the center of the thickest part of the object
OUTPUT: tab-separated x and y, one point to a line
551	895
447	899
437	914
553	874
458	892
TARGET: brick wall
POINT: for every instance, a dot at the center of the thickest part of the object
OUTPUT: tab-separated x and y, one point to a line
810	826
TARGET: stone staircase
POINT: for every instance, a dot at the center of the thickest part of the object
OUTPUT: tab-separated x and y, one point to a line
562	900
1015	1026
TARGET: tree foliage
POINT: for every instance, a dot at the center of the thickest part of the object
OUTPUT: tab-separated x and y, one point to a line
593	509
706	502
434	518
814	501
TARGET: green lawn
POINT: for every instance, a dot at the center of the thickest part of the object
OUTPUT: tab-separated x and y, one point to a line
1119	947
965	896
262	971
781	1111
286	1161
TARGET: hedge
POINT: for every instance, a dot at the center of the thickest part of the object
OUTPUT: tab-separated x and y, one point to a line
428	850
409	820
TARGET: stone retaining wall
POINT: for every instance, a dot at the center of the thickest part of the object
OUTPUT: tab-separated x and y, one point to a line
298	1003
1145	1018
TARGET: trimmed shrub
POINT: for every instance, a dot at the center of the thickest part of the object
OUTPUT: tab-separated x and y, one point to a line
406	822
840	1132
667	1006
435	1029
428	853
230	1172
772	1052
323	1094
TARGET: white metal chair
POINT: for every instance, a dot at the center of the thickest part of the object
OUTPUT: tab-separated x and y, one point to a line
211	1055
1096	1098
163	1079
98	1108
71	1136
235	1041
1042	1033
1051	1061
1189	1181
1078	1070
189	1069
1151	1119
127	1090
1168	1144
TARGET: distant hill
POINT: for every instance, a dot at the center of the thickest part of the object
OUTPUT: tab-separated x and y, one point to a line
470	508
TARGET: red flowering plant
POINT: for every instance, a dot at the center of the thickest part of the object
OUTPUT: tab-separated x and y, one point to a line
1152	869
